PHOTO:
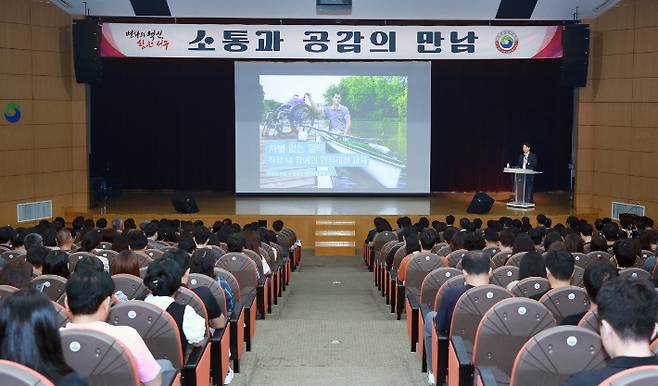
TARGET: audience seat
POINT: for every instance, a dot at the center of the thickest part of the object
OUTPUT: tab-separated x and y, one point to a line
441	249
637	376
105	245
555	354
635	273
469	310
99	358
63	316
6	290
220	338
455	257
491	251
419	266
377	243
504	329
565	301
263	287
74	257
531	286
504	275
599	255
154	253
500	258
108	254
391	275
581	260
160	333
453	282
590	321
11	255
53	286
131	286
515	259
578	276
237	318
15	374
244	271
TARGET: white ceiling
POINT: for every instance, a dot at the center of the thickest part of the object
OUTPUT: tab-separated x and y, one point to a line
361	9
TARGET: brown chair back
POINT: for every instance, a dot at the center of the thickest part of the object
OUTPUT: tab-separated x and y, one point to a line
599	255
108	254
581	260
531	286
504	275
441	249
453	282
6	290
500	258
578	276
470	309
75	257
380	239
187	297
590	321
131	286
420	265
399	255
256	258
11	255
53	286
565	301
635	273
99	358
504	329
231	280
62	314
200	280
243	268
491	251
154	253
555	354
515	259
636	376
154	325
433	281
15	374
455	257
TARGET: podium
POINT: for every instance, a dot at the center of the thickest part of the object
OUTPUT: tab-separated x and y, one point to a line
520	176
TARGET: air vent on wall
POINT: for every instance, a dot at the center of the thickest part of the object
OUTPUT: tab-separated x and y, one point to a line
31	211
622	207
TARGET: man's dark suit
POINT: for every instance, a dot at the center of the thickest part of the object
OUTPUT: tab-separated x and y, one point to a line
530	179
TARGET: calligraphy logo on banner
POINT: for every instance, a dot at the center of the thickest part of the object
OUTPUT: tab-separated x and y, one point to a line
330	42
12	112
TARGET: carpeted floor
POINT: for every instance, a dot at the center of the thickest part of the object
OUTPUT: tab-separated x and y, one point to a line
331	328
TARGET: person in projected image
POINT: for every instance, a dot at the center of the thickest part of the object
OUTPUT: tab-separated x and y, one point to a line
338	115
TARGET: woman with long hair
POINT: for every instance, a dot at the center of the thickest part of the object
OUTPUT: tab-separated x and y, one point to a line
29	336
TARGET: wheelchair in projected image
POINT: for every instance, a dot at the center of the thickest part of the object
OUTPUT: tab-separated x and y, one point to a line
287	120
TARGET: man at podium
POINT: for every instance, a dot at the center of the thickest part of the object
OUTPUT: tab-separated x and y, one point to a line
528	160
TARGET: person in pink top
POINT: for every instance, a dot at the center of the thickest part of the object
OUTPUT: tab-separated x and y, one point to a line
88	300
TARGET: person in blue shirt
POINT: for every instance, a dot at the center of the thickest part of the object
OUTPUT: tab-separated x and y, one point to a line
338	115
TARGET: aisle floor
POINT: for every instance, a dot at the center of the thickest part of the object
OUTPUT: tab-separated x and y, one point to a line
331	328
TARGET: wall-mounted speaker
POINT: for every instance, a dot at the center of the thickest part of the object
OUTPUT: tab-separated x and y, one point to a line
575	55
86	50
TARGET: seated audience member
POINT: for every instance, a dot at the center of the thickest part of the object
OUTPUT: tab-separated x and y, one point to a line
626	251
129	224
187	243
574	243
537	237
473	241
506	239
551	237
56	263
450	221
627	309
88	300
477	271
137	242
204	263
559	268
448	234
36	256
597	273
611	233
586	232
541	221
598	244
125	262
152	234
17	273
117	225
523	243
531	265
17	239
491	238
32	240
64	240
163	278
121	243
414	245
6	234
252	242
457	241
89	263
101	223
29	336
381	225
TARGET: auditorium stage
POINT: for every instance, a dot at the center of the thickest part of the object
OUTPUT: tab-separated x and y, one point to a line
311	216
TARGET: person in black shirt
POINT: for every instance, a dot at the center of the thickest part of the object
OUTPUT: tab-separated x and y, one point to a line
627	308
595	275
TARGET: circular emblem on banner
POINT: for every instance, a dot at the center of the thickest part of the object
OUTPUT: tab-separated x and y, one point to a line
507	42
12	112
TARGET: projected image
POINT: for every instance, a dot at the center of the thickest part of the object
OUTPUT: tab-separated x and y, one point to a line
333	132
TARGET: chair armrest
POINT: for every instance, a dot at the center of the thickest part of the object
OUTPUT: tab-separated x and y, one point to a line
170	377
486	376
219	332
195	355
196	370
413	300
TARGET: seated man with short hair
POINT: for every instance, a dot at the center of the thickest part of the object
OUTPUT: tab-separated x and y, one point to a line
597	273
88	299
627	309
477	271
559	268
